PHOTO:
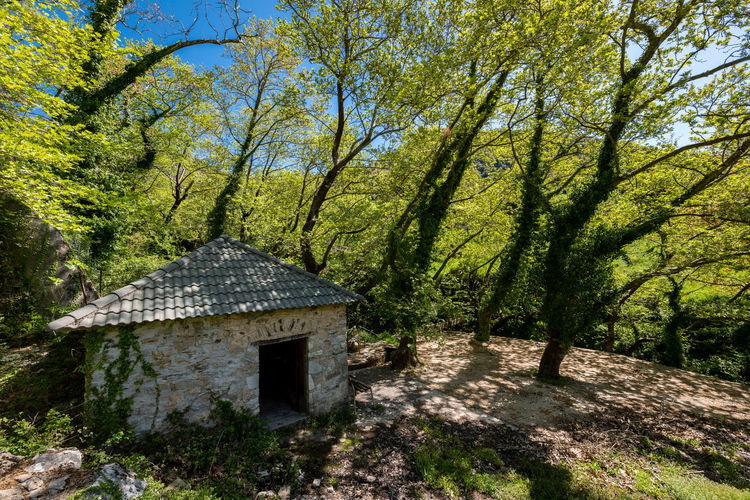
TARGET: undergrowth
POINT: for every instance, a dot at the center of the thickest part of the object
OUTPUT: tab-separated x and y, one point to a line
458	468
228	456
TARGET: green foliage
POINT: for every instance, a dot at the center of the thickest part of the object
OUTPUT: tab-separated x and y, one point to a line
41	51
227	452
405	312
24	437
126	269
674	355
37	379
455	469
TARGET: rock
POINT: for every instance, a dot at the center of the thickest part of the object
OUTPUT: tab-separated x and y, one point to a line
8	461
14	494
32	483
56	459
39	251
316	483
265	494
263	473
22	477
56	485
36	493
370	479
178	484
285	492
329	489
125	480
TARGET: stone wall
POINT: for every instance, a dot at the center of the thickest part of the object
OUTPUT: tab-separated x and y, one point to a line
218	355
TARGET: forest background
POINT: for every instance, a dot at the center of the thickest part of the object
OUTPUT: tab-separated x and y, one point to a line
569	172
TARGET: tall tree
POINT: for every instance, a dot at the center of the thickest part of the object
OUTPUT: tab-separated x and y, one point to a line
258	99
646	95
369	62
42	52
100	88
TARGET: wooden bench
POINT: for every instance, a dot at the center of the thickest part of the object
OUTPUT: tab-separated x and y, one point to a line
358	386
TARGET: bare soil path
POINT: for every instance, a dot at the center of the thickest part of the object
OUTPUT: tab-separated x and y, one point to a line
495	378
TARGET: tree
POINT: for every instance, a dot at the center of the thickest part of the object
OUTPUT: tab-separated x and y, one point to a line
99	88
106	76
261	82
646	96
409	255
369	62
41	52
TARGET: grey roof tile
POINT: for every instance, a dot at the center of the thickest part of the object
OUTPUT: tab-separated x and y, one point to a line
223	277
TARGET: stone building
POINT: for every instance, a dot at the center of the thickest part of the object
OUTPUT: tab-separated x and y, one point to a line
226	320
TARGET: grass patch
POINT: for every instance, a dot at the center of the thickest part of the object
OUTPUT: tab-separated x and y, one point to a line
456	470
36	379
338	421
26	438
699	488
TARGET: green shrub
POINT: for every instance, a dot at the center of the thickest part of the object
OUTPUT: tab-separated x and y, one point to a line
228	453
28	437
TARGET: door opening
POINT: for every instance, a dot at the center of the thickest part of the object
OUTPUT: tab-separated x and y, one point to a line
283	394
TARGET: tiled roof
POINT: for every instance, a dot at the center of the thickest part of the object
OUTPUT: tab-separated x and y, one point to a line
223	277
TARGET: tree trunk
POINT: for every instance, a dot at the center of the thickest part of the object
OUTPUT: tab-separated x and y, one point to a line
485	324
554	353
614	318
637	344
405	356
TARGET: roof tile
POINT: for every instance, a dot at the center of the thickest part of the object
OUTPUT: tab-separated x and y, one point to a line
222	277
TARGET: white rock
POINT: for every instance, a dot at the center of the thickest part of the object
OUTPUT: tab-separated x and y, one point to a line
178	484
265	494
14	494
121	478
263	473
330	489
56	459
316	483
56	485
370	479
285	492
32	483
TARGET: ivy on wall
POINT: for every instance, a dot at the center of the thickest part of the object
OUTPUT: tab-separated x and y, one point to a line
107	406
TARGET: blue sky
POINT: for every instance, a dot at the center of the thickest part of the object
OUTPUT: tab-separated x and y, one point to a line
201	55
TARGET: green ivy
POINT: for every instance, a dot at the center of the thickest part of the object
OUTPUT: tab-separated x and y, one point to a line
107	407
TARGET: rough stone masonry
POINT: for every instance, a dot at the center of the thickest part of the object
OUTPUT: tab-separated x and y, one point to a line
197	357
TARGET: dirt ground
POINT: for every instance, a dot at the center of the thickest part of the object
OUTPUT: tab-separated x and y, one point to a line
484	395
496	379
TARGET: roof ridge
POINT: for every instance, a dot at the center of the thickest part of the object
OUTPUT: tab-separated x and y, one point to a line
103	303
299	270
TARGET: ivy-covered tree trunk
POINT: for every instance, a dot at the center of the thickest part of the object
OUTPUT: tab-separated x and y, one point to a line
574	272
674	354
88	101
526	224
415	255
405	356
218	216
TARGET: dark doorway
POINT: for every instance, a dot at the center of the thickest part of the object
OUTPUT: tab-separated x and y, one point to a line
282	381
